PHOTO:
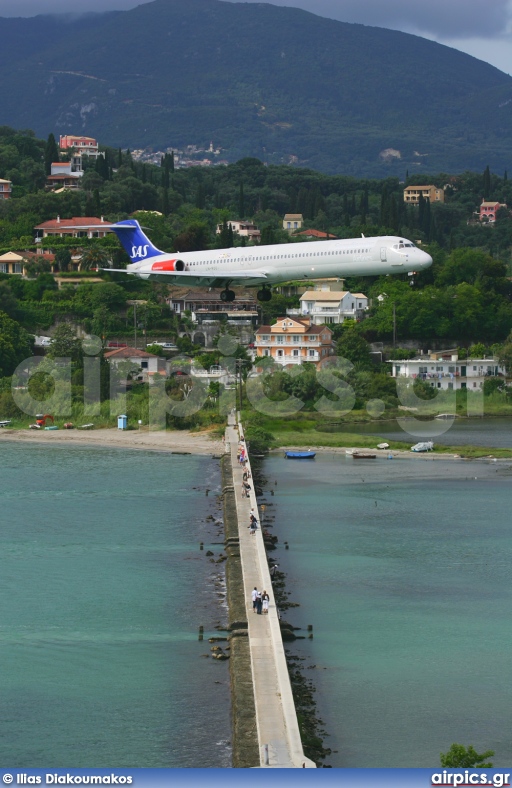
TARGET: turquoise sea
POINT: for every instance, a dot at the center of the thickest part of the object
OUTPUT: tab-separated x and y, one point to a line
404	569
102	590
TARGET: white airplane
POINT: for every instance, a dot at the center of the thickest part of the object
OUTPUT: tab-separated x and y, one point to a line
262	266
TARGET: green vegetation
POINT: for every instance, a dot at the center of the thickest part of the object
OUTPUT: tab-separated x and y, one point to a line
460	757
348	107
463	301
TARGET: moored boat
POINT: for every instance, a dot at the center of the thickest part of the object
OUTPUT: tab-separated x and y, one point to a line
300	455
423	446
359	455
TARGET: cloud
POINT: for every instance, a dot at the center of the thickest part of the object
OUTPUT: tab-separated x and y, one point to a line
35	7
439	18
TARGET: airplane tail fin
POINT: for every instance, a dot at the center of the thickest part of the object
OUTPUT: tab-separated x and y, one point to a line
136	243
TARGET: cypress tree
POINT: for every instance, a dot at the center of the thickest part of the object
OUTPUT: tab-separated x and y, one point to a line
505	176
165	202
165	174
241	201
51	154
487	183
302	201
97	203
427	220
200	196
171	161
384	208
119	158
421	213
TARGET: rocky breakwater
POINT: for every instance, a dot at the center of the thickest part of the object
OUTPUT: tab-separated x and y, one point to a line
245	735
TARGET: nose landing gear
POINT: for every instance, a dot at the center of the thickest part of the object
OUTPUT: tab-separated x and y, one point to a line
264	295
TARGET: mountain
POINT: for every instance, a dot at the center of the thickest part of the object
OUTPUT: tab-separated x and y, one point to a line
258	80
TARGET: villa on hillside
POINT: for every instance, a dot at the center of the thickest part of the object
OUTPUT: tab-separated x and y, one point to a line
431	193
5	189
243	229
325	307
144	364
444	370
489	209
294	341
86	145
293	222
76	227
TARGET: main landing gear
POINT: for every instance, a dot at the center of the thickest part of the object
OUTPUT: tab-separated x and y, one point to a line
264	295
227	295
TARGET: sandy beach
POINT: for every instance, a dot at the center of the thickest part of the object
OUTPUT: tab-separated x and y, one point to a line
172	441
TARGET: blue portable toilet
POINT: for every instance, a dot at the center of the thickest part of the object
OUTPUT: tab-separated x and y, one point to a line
122	422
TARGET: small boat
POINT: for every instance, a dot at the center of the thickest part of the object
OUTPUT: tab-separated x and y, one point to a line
359	455
383	445
5	423
300	455
446	416
423	446
86	427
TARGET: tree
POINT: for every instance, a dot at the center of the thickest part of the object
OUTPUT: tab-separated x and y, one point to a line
51	154
8	301
62	259
94	257
353	347
241	201
460	757
15	345
505	357
65	343
487	183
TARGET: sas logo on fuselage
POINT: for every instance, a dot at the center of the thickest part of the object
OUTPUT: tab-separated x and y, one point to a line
139	251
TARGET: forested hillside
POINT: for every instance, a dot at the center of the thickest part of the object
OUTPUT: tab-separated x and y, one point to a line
277	83
466	295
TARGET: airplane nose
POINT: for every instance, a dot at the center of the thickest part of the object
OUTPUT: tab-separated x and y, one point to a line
426	260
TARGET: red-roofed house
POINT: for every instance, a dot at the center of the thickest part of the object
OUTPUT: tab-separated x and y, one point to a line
146	364
294	341
85	145
76	227
66	174
488	210
314	234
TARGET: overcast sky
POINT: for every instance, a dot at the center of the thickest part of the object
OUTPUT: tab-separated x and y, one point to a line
483	29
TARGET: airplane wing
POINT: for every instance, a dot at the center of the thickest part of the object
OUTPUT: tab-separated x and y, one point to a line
191	277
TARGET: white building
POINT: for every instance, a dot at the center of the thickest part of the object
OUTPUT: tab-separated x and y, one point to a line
444	370
145	365
243	229
325	307
215	374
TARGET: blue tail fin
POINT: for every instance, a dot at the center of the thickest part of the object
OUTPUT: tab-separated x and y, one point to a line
136	244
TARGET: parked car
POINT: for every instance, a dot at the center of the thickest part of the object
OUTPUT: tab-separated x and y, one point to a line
166	345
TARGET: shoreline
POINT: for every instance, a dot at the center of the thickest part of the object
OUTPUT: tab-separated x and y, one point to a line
384	453
177	441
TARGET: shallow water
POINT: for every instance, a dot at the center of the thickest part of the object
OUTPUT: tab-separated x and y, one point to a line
102	589
496	433
403	568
